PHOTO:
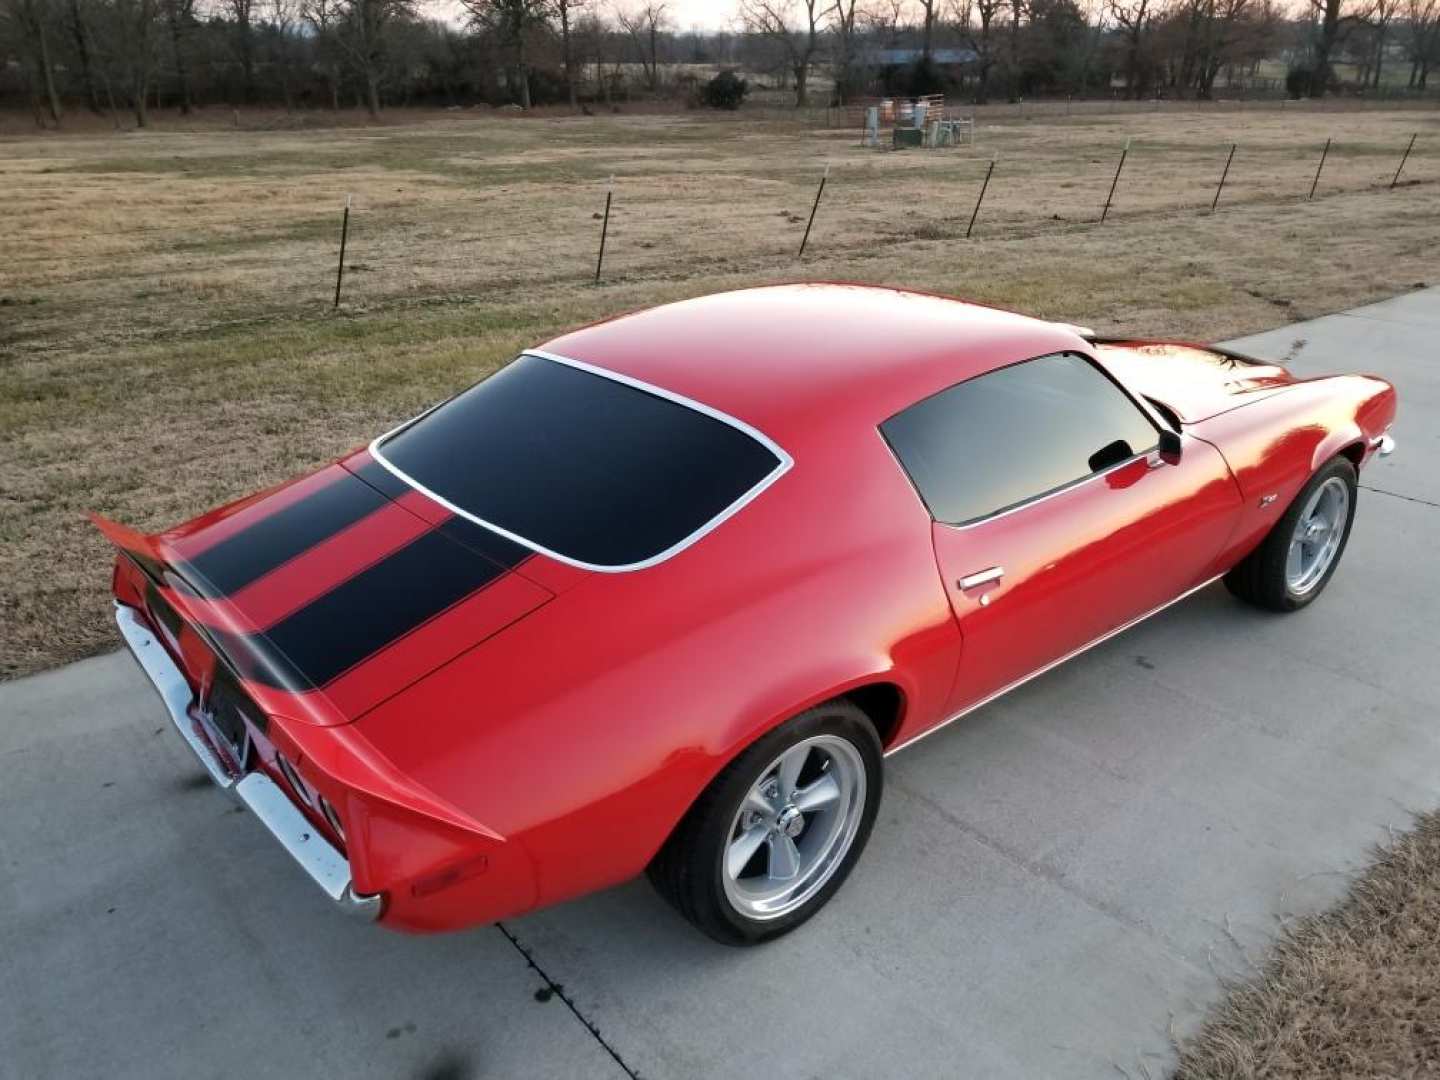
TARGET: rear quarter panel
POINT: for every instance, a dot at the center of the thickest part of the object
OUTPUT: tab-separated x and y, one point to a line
585	731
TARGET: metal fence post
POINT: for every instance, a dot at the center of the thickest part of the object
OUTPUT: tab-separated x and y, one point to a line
604	227
1323	154
1403	158
819	191
1216	201
340	269
1123	153
976	212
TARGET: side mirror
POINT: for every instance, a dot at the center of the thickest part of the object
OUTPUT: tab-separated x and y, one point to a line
1170	446
1110	454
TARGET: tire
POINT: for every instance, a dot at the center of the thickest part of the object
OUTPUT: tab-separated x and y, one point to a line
830	753
1268	577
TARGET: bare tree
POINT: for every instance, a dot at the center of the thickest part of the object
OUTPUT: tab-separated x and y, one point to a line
929	9
32	21
179	15
1422	39
1134	22
511	21
323	16
975	20
363	28
1094	13
80	34
886	19
130	48
593	41
1336	19
792	24
1215	25
1018	9
844	16
241	11
280	18
1380	20
565	11
643	27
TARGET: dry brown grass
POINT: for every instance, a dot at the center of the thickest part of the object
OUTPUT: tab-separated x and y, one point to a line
166	340
1352	992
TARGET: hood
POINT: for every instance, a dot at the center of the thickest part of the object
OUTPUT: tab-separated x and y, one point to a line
1196	382
331	593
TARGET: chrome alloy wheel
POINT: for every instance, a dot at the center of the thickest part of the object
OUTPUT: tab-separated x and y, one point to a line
1319	530
794	827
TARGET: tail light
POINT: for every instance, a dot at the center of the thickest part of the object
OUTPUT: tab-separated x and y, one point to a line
331	816
293	778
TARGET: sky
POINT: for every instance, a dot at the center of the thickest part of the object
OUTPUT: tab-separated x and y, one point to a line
707	14
684	14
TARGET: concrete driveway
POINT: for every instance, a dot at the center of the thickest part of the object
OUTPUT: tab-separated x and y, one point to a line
1052	885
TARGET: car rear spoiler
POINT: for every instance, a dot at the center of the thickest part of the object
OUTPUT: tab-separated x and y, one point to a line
1220	350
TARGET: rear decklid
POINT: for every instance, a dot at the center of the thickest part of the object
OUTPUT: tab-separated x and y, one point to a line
332	593
1196	382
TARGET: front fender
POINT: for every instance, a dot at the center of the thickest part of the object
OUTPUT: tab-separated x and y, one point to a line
1275	445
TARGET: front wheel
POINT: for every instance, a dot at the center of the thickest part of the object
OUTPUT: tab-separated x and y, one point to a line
777	831
1296	559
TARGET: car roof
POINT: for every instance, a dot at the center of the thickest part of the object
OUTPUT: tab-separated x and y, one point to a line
792	359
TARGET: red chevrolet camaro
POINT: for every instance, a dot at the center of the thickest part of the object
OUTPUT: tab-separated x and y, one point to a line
661	595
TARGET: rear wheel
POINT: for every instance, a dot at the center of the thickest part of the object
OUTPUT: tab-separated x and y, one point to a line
777	831
1295	561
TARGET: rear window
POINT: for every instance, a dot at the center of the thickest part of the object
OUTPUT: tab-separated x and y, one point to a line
582	465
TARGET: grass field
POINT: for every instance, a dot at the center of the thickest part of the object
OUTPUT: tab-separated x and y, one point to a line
167	339
1347	993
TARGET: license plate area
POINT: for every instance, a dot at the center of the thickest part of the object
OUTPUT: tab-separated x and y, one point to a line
227	717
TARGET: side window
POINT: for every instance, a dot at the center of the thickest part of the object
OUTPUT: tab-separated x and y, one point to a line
1006	437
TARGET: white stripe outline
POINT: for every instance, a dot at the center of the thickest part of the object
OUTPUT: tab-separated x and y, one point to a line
785	462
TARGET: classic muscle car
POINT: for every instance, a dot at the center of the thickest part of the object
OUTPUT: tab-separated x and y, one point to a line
660	595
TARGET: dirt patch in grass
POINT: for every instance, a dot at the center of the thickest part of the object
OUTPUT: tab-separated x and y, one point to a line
167	343
1352	992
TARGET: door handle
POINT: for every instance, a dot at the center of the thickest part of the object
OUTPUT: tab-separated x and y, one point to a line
981	577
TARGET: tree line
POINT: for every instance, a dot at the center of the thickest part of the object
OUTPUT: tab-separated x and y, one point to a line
127	57
1024	48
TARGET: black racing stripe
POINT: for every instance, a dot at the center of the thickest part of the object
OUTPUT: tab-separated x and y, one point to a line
257	549
382	479
486	542
369	611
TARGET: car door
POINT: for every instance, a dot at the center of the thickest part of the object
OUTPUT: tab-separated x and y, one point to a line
1058	517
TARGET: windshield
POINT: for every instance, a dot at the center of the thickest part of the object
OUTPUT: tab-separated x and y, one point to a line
582	465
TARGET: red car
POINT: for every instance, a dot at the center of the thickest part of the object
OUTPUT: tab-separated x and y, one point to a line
661	595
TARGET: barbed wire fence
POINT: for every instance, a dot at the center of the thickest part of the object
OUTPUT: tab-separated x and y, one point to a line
352	220
1311	191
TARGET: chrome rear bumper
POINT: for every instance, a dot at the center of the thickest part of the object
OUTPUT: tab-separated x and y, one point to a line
326	866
